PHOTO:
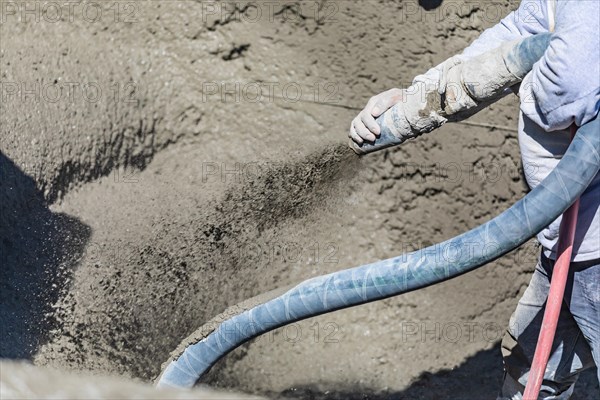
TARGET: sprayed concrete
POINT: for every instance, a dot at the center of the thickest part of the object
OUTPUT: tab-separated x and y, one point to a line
124	232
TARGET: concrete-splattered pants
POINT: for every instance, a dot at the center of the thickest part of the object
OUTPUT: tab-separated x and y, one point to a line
577	341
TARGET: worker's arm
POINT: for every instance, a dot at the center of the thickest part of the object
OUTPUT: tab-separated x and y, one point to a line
530	18
564	86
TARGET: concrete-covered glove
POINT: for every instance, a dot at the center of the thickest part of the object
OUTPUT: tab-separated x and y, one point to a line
364	127
442	94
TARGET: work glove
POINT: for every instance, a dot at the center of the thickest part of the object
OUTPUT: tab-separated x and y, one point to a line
446	79
364	127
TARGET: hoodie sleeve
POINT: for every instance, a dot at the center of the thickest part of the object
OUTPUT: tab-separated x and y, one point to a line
529	19
564	86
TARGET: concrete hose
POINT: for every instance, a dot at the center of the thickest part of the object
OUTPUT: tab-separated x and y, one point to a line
410	271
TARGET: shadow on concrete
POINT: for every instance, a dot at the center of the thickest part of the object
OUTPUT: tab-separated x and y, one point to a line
478	378
38	251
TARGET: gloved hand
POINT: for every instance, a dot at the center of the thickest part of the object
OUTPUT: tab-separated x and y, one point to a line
422	109
364	127
446	78
444	69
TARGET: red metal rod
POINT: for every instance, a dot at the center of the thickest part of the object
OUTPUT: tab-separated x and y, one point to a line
555	297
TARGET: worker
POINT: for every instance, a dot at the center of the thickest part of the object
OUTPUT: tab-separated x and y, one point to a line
562	89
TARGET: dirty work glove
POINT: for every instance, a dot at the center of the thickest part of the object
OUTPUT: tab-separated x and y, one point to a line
444	69
364	127
436	78
446	79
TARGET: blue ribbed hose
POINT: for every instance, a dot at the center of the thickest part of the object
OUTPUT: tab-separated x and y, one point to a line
405	273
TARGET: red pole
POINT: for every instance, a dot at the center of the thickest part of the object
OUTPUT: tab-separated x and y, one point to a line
555	298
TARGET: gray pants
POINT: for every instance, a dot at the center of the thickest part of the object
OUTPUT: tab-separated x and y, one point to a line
577	341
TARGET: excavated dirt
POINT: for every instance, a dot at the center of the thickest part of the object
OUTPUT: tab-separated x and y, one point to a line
152	193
